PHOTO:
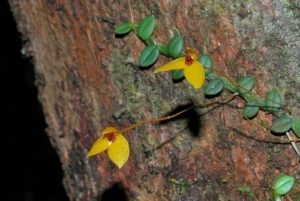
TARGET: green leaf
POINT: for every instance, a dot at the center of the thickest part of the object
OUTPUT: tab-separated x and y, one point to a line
212	76
282	124
123	28
296	127
146	27
248	96
214	87
273	101
177	75
260	101
283	184
175	47
207	62
250	110
246	84
229	86
149	55
163	49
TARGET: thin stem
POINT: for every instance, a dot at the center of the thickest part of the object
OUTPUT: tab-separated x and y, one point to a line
155	120
130	10
152	120
293	143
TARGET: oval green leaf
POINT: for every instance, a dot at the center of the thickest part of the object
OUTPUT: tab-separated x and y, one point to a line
282	124
260	102
283	184
206	60
163	49
246	84
149	55
214	87
273	101
146	27
250	110
175	47
296	127
229	86
123	28
177	75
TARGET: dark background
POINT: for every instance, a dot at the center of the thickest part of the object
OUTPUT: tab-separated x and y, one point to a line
30	170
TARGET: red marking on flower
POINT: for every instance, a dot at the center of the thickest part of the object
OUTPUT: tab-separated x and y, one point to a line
188	60
111	137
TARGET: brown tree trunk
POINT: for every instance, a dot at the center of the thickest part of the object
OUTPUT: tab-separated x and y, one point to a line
89	79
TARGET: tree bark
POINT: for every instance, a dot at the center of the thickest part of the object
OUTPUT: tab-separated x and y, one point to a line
89	79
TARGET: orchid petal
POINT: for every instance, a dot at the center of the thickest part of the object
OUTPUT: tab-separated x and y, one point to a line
195	74
118	152
173	65
192	53
99	146
108	130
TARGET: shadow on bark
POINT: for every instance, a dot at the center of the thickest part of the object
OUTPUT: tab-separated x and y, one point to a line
115	193
192	117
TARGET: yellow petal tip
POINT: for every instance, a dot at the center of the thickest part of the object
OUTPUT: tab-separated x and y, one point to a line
119	151
90	154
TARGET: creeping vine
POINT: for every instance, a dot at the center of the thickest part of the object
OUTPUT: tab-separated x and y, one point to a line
188	64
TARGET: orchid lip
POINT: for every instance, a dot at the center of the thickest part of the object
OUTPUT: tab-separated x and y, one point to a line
111	137
188	60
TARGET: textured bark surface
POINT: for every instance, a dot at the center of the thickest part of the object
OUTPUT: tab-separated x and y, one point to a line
88	79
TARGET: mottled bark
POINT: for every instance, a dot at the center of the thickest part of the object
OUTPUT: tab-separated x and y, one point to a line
88	79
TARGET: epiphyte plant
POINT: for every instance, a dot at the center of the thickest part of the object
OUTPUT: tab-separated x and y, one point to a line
112	140
196	69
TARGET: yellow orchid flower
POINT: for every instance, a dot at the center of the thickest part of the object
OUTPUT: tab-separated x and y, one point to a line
116	145
192	68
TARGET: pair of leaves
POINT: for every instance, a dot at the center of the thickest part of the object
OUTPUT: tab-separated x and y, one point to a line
245	85
151	53
273	102
144	28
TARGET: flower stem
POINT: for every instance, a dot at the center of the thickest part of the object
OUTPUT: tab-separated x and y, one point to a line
152	120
